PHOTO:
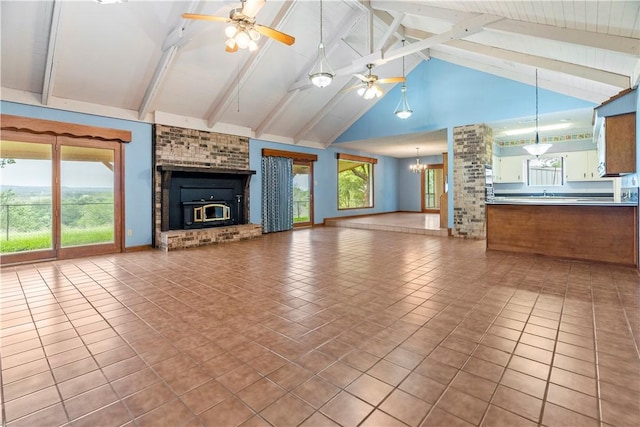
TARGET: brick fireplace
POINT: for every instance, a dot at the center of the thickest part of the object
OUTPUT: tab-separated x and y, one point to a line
201	187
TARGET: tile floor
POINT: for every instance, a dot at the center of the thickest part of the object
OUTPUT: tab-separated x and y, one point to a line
321	327
402	222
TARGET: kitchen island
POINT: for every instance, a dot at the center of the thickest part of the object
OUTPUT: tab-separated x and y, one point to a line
583	229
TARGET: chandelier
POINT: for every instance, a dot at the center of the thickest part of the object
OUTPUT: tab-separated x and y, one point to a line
537	149
241	35
418	167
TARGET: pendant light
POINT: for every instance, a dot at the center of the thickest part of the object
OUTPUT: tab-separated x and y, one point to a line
403	111
417	167
537	149
321	74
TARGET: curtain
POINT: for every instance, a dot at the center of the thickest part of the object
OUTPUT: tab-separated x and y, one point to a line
277	194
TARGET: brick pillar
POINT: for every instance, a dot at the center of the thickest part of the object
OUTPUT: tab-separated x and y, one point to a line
472	150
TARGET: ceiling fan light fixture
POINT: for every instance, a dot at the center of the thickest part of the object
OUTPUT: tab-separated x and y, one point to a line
231	30
243	39
253	46
254	34
321	74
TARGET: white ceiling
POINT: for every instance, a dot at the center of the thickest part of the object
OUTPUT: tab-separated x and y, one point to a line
140	60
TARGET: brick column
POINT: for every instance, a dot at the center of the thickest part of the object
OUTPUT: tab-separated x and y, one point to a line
472	150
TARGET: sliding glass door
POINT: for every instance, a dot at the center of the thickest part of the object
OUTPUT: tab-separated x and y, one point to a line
26	196
59	197
302	193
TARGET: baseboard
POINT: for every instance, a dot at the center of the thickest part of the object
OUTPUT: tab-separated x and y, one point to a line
137	248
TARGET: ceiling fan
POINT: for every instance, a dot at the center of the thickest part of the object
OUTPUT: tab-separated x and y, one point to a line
369	87
243	32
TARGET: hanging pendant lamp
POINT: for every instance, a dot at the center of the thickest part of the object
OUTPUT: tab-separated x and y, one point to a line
537	149
321	74
403	111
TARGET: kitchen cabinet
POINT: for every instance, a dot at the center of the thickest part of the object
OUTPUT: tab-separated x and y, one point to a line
581	166
510	169
618	147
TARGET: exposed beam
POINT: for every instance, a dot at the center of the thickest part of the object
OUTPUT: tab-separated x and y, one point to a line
389	33
222	103
416	8
460	30
625	45
172	43
50	64
576	70
443	53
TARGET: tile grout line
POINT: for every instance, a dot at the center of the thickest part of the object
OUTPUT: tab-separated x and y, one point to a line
553	353
471	355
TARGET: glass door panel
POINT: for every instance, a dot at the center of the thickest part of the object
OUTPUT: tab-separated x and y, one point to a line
302	193
26	196
433	189
87	204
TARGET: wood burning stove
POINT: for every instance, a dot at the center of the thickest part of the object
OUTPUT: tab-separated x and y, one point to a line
203	197
205	213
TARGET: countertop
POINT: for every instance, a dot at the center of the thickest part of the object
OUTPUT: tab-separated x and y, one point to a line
553	200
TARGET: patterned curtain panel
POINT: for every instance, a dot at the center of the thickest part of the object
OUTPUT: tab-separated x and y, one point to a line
277	194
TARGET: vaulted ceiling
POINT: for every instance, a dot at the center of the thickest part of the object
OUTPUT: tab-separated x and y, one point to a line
140	60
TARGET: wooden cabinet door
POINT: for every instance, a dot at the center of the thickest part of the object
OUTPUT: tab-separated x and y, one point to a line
620	142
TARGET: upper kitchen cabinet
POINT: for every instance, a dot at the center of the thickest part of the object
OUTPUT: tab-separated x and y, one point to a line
619	145
616	134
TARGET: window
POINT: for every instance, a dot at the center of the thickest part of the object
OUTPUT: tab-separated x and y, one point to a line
355	181
545	171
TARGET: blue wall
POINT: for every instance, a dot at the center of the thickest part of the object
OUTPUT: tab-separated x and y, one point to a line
325	189
138	189
443	95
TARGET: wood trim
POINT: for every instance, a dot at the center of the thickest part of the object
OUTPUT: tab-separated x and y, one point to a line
345	156
72	130
139	248
268	152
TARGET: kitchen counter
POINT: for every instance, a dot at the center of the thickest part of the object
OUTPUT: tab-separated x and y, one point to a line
583	230
553	200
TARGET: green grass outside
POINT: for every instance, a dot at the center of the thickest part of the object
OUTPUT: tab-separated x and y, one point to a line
301	219
21	242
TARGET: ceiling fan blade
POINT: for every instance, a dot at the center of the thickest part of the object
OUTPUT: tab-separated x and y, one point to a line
275	34
392	80
205	17
231	49
252	7
361	77
354	87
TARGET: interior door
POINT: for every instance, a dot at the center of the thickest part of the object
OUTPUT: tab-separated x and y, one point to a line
302	193
432	188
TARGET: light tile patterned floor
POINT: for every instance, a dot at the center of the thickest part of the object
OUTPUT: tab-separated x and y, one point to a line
402	222
321	327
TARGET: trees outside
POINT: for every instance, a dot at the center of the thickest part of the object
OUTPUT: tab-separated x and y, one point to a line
354	185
